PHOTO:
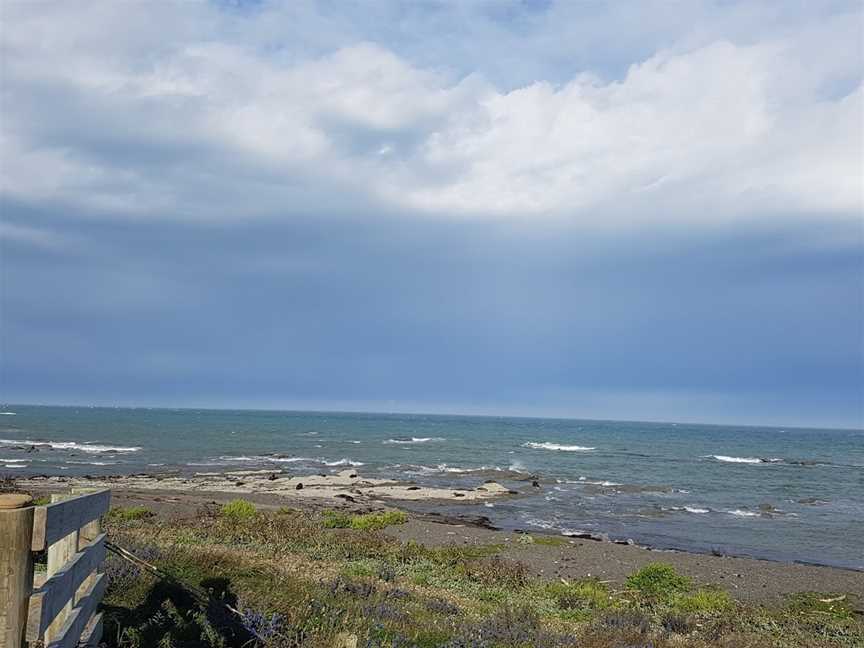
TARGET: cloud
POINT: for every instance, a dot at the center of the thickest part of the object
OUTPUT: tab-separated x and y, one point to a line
208	128
35	237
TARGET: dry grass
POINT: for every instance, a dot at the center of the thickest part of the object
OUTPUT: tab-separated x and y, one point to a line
299	583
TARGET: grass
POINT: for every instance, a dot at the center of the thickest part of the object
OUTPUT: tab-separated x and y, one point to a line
658	580
129	513
704	601
366	521
835	605
586	594
301	579
238	509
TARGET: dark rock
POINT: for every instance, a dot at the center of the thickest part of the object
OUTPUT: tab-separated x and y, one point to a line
299	486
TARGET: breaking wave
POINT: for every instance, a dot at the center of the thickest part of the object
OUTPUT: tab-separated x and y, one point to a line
546	445
343	462
742	513
406	441
744	460
70	445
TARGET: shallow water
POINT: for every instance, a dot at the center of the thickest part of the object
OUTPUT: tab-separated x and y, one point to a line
778	493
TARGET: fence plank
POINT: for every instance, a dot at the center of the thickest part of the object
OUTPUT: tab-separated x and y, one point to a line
81	615
92	633
49	600
58	520
59	554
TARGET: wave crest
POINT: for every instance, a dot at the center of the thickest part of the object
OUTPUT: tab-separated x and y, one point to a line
71	445
548	445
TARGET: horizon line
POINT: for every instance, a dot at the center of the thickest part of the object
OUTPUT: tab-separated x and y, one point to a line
473	415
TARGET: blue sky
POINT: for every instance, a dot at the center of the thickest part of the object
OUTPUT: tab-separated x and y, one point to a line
595	210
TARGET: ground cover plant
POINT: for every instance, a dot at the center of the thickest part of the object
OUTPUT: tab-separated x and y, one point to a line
293	578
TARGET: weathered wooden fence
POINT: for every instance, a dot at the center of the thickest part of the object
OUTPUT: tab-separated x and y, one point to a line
57	606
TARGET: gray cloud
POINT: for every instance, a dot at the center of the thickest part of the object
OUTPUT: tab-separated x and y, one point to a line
482	207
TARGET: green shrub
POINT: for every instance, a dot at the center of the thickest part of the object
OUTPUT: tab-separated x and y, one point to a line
336	520
658	580
239	509
366	521
584	594
704	601
129	514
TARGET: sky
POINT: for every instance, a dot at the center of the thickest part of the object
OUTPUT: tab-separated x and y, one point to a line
647	211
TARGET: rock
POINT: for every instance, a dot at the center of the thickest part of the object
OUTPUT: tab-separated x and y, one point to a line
535	484
272	477
299	486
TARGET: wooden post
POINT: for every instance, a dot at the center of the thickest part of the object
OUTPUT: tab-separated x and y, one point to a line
16	567
59	554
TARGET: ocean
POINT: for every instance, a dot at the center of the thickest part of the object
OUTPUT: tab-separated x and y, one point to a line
787	494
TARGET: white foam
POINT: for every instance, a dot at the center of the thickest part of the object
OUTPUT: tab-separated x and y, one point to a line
415	440
689	509
72	445
745	460
286	459
444	468
93	463
343	462
547	445
8	414
583	480
740	513
14	466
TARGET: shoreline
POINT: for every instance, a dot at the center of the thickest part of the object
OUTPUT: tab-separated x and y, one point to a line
546	554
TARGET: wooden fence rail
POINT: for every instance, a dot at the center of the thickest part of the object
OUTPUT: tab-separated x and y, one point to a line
61	611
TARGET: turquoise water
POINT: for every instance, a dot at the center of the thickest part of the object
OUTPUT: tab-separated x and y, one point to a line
777	493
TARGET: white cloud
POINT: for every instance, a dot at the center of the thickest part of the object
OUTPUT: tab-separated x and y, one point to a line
178	111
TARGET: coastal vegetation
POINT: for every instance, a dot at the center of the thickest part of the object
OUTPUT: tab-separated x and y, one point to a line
291	578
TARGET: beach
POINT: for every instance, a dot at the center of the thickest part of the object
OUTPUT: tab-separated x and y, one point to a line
560	556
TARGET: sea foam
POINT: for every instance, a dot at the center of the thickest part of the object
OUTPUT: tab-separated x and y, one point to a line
546	445
72	445
744	460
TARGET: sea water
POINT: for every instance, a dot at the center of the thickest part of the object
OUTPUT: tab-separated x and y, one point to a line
775	493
